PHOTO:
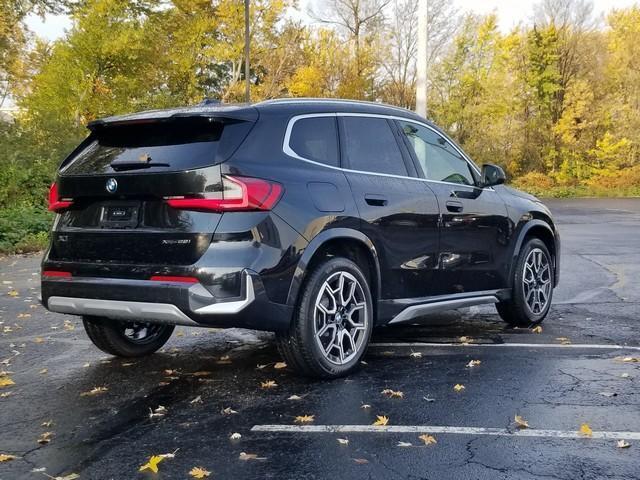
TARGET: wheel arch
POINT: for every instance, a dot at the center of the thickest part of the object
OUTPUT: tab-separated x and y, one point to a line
543	230
345	242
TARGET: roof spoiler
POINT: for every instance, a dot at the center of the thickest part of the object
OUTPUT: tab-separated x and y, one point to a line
213	111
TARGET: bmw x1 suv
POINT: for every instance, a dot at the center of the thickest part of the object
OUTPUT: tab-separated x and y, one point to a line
315	219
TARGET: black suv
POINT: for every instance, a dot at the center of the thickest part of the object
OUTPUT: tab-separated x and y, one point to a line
315	219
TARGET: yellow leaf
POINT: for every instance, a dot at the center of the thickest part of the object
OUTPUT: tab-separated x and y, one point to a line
428	439
13	293
43	371
39	340
6	458
392	393
199	472
24	315
305	418
228	411
537	329
381	420
6	382
152	464
627	359
585	430
269	384
45	438
71	476
474	363
94	391
458	387
623	444
521	422
280	365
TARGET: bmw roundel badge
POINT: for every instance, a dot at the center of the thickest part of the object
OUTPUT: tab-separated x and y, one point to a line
112	185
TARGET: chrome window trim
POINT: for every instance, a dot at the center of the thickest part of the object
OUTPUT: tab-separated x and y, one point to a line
286	147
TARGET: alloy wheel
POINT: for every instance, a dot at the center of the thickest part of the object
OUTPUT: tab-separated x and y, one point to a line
141	333
536	281
341	318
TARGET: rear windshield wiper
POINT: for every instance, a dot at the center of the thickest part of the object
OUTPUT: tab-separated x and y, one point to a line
136	164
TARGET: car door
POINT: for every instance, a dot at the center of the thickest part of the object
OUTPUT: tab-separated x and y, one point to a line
398	212
474	224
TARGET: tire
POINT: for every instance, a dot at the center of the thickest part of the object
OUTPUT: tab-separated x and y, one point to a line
534	266
311	345
117	338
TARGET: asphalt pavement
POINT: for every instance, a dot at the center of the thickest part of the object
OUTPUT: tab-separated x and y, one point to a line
73	410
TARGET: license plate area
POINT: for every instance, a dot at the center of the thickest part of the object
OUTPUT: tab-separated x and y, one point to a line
120	215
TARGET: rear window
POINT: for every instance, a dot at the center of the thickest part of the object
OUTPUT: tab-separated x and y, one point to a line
316	139
180	144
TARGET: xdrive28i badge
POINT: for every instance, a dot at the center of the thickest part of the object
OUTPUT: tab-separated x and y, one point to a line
112	185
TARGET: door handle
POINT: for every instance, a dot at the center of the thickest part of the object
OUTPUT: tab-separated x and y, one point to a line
454	206
375	200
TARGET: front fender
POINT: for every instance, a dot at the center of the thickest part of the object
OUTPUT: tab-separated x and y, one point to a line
522	234
316	243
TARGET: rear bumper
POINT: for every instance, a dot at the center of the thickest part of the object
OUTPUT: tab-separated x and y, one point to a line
166	302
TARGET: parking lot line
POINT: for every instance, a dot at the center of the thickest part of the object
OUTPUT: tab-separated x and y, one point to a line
501	432
516	345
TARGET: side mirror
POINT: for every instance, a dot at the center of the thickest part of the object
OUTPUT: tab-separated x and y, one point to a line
492	175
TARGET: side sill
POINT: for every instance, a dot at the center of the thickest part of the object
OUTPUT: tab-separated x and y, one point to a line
414	311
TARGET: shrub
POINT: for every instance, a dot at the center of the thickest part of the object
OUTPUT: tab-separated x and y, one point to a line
24	228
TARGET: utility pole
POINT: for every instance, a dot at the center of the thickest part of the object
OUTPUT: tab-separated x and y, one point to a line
247	84
421	63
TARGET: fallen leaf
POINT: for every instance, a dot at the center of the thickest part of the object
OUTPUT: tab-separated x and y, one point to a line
428	439
24	315
152	464
458	387
585	430
624	375
473	363
521	422
416	354
280	365
294	397
6	382
47	424
608	394
563	340
537	329
6	394
198	399
627	359
13	293
404	444
250	456
464	339
305	419
381	420
261	366
39	340
228	411
623	444
199	472
201	374
71	476
360	461
4	457
45	438
94	391
269	384
43	371
158	412
235	436
86	365
429	399
392	393
343	441
365	406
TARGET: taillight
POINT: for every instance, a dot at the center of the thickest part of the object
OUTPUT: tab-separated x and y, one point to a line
56	273
238	194
55	203
169	278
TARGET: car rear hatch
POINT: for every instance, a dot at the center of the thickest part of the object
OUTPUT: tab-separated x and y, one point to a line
113	192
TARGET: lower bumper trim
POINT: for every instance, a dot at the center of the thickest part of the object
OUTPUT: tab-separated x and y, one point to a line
121	310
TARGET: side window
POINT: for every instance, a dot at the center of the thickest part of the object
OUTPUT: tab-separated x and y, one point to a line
437	157
370	146
316	138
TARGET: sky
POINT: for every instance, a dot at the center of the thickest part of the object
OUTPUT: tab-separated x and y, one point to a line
510	13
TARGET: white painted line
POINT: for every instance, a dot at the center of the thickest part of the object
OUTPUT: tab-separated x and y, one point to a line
520	345
501	432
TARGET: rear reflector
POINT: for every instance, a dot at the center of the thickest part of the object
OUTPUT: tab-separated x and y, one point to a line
56	273
168	278
238	194
56	204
